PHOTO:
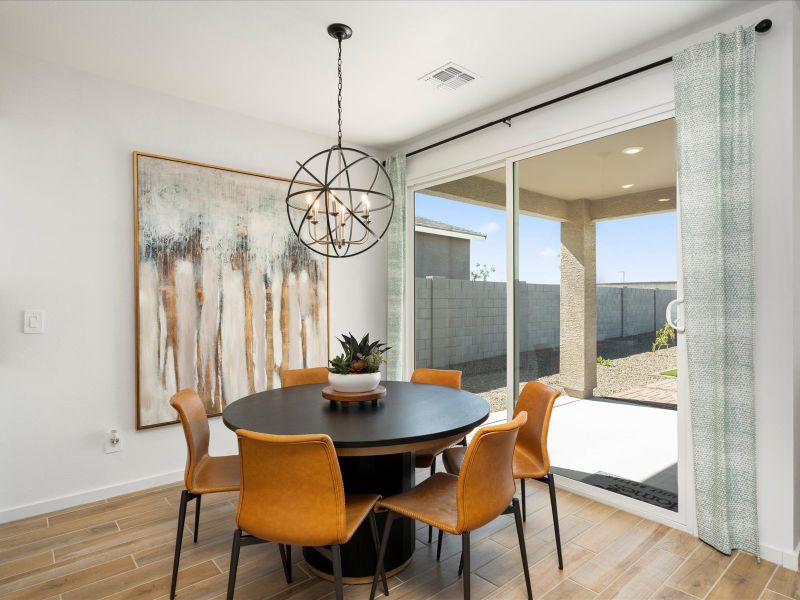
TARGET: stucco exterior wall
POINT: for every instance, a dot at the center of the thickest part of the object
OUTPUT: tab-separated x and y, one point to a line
440	256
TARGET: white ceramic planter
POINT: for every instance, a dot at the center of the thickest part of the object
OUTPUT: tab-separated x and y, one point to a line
355	382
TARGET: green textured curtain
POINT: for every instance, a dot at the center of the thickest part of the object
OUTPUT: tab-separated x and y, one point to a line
714	117
396	270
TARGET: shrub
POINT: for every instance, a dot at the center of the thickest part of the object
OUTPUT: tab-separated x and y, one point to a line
665	337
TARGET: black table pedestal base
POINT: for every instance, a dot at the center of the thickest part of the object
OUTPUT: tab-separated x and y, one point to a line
386	475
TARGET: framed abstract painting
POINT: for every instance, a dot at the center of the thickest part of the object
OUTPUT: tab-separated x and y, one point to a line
226	297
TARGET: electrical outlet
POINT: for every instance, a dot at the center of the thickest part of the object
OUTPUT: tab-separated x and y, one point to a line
113	443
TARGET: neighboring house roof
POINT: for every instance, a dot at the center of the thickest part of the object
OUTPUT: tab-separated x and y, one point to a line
423	225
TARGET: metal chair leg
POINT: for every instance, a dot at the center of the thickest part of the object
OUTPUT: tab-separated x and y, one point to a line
524	508
554	506
373	526
382	553
522	552
178	541
197	518
439	546
337	571
430	527
465	563
286	561
237	540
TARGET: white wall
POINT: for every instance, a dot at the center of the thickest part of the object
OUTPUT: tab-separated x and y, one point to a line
66	241
650	95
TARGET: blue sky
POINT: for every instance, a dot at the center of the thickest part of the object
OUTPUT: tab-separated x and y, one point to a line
643	247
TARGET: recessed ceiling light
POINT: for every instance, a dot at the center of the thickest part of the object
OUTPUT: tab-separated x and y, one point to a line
632	150
664	199
627	185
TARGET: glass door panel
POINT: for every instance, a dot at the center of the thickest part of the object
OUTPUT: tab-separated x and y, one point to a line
595	254
460	268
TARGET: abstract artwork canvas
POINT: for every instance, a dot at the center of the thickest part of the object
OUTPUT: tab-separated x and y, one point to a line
226	296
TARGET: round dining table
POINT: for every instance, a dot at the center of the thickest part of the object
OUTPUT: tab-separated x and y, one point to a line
375	444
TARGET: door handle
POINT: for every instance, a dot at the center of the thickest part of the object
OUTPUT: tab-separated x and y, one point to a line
670	322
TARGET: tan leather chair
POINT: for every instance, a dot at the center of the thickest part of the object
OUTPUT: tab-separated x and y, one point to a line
446	378
293	377
204	474
293	494
531	460
480	493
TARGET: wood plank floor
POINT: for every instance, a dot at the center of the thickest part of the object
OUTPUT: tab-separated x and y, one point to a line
121	548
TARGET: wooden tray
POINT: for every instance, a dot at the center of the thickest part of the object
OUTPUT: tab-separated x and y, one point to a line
344	397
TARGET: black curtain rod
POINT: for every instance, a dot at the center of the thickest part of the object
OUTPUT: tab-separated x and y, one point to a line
761	27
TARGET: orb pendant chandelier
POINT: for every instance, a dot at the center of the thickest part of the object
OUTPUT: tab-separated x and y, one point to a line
340	201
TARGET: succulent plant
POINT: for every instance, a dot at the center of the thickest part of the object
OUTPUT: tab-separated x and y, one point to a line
358	356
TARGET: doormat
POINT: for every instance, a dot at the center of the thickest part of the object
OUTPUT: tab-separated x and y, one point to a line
634	489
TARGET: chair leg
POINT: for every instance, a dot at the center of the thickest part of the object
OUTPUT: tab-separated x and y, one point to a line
554	506
197	518
430	527
373	526
465	563
178	540
286	561
522	552
524	508
337	571
439	546
381	553
237	540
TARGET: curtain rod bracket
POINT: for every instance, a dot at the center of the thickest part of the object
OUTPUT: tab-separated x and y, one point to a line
507	122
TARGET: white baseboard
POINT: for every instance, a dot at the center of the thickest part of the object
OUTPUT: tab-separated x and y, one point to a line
788	559
37	508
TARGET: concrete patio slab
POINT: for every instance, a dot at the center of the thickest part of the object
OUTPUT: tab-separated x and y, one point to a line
631	441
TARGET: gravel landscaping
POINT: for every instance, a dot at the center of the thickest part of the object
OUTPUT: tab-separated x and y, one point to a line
632	365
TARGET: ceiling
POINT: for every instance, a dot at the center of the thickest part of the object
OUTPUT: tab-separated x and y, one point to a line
598	169
274	60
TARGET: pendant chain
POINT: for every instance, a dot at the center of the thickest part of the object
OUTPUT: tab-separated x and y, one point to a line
339	99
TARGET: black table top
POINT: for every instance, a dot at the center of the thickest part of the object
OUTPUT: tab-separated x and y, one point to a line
410	412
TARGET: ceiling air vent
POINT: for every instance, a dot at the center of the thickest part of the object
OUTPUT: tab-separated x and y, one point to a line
450	76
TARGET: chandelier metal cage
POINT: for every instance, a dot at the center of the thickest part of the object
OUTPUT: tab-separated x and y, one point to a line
347	205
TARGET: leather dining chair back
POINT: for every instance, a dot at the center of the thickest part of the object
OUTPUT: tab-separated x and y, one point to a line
531	459
486	483
536	399
192	413
482	491
443	377
204	474
292	489
292	494
446	378
293	377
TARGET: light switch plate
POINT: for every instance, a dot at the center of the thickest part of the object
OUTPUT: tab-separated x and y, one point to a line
33	321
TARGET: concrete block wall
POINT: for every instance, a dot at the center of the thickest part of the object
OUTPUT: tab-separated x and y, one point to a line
609	312
459	321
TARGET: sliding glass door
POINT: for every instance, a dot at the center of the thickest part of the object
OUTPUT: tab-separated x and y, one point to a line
595	265
558	269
